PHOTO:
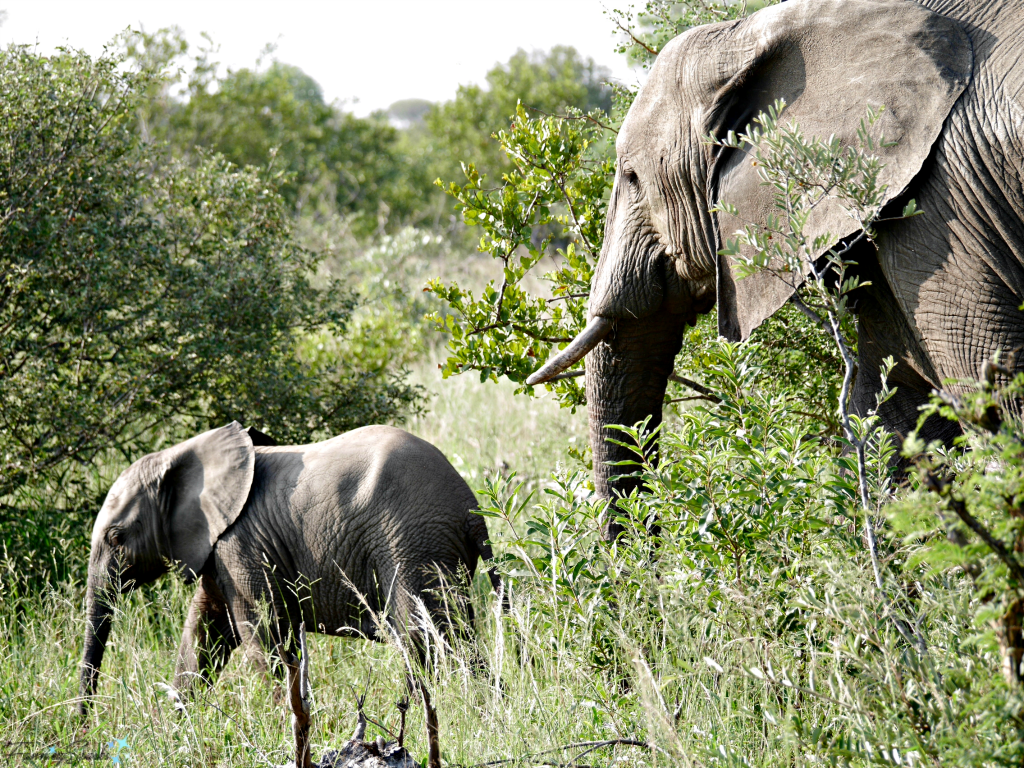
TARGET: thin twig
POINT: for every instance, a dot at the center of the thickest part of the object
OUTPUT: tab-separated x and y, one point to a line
588	118
635	39
708	394
523	330
958	506
567	296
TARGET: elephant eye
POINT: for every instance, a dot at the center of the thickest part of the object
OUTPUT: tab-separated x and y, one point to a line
115	537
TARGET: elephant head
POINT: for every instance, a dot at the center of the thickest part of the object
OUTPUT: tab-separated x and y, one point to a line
660	265
168	508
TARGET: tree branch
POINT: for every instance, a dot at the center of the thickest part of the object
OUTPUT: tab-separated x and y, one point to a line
937	484
523	330
708	394
588	118
578	745
636	39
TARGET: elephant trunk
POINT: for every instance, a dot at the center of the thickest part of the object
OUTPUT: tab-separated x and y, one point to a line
626	379
97	629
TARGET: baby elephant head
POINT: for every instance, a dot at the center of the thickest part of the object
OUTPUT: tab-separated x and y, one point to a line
167	509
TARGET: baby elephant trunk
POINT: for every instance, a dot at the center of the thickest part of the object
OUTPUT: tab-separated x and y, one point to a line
97	630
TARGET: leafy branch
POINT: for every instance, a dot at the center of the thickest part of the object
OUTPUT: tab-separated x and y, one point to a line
556	189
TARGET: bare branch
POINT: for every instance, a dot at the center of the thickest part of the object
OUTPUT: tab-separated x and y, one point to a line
591	745
433	739
298	698
636	39
708	394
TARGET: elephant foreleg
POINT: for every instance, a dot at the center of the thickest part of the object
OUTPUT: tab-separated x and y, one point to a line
883	332
208	637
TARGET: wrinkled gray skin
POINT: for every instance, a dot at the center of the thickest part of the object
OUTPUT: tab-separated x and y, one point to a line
286	527
946	285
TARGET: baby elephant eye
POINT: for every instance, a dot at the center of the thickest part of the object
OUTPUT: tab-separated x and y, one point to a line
115	537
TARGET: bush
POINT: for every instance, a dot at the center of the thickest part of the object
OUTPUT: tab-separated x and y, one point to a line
747	628
144	299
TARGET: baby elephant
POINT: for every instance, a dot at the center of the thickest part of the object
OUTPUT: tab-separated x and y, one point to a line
283	532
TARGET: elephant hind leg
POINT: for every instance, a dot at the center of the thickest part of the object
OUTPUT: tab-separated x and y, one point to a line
208	637
478	545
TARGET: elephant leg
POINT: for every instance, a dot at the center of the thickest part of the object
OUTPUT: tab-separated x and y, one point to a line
260	642
263	647
207	639
883	332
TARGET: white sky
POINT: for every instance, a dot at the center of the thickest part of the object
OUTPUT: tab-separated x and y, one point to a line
368	53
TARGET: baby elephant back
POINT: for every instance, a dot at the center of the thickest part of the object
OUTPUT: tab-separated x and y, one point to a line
392	515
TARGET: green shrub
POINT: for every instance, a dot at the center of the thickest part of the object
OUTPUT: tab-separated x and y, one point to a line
144	299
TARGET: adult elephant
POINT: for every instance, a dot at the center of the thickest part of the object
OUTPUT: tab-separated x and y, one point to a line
947	286
299	530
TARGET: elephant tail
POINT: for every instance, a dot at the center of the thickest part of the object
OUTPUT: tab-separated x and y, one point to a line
477	541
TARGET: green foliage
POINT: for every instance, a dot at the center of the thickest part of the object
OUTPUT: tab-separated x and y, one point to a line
549	83
747	627
559	178
388	330
276	117
143	300
741	492
965	513
803	174
802	354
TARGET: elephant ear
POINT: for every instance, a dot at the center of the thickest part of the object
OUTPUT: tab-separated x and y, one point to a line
204	488
830	60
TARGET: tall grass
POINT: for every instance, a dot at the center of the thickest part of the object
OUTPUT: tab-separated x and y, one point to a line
748	632
483	430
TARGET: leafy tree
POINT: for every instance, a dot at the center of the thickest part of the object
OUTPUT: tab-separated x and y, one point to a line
409	111
277	117
142	299
558	178
645	32
543	82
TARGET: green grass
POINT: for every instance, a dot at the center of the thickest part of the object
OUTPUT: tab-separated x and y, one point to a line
483	430
645	642
526	681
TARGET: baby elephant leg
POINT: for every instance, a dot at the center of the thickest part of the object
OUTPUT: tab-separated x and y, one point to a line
208	637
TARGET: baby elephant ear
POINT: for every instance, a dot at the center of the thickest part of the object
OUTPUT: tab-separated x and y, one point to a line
206	485
829	60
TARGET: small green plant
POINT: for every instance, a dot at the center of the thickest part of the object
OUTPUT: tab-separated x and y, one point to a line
966	514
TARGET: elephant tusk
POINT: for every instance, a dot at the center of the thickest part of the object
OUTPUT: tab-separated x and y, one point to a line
596	329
